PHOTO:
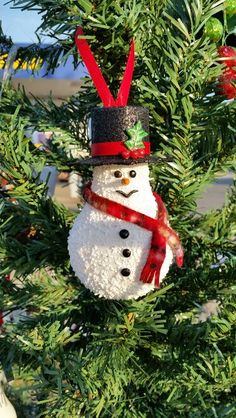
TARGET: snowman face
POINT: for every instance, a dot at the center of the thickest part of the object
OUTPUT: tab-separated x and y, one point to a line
125	184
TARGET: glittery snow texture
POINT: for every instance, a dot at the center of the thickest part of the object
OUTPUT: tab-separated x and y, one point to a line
96	247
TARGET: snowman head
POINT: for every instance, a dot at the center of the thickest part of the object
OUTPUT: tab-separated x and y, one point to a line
125	184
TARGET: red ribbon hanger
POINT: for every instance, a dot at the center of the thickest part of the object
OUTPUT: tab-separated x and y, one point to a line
96	74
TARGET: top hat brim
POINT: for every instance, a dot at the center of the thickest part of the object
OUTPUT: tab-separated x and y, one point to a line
95	161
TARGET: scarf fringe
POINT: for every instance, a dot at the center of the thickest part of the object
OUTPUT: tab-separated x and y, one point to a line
149	275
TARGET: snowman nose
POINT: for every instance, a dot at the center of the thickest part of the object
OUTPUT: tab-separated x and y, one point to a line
125	181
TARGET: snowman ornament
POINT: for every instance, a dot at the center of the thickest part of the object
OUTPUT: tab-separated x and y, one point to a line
121	245
6	408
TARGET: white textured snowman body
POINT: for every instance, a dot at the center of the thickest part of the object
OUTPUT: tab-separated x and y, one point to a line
6	408
108	254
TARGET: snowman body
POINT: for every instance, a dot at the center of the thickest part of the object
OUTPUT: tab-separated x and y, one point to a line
6	408
108	254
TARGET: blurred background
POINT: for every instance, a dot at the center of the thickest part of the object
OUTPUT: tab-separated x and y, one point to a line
64	82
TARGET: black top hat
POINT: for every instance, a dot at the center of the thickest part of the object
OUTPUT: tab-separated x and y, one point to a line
120	133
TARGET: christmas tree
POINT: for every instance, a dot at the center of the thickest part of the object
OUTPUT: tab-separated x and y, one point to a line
67	352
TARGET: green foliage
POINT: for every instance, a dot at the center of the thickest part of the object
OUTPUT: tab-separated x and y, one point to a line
72	353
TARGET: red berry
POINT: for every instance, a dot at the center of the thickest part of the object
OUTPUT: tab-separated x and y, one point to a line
228	75
229	53
225	87
135	154
1	319
229	91
125	154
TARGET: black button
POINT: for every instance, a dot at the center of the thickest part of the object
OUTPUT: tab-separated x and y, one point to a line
124	233
126	252
125	272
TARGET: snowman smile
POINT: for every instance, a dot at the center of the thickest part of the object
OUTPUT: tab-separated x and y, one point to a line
126	194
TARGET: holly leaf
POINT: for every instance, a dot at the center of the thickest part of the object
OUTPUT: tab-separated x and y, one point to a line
136	134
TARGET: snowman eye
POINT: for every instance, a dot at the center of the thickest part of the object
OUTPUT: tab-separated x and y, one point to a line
132	173
118	174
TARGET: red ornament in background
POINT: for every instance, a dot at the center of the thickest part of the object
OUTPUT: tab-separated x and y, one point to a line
229	54
225	84
227	81
1	319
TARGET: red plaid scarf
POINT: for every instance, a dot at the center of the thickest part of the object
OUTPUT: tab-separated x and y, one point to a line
161	233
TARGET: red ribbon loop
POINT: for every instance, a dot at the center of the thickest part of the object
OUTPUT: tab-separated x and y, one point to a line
96	74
